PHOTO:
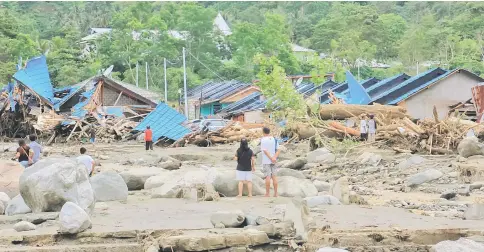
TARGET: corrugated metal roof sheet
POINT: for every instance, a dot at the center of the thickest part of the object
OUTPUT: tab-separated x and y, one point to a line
152	96
214	91
241	103
386	84
357	93
35	76
408	87
164	122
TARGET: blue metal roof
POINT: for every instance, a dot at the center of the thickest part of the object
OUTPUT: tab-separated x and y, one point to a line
35	76
215	91
357	93
241	103
410	86
114	111
420	87
164	122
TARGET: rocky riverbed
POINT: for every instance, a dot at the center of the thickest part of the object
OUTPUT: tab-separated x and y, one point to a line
156	200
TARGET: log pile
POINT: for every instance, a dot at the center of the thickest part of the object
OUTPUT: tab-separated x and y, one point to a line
233	132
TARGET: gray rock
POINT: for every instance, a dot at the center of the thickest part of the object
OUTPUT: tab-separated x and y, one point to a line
368	158
321	156
424	177
310	166
328	249
474	212
48	184
295	164
322	186
476	185
282	172
470	146
38	218
341	191
17	206
461	245
24	226
109	186
170	164
251	220
413	160
262	220
230	219
135	179
155	181
73	219
464	190
453	174
225	184
295	187
171	189
449	194
321	201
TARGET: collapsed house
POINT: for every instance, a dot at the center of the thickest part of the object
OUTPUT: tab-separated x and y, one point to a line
114	108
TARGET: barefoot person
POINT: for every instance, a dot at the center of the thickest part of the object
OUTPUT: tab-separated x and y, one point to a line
245	167
270	152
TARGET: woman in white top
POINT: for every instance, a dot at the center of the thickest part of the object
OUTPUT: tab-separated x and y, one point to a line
363	128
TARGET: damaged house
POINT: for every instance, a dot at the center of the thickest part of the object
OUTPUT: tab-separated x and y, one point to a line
115	106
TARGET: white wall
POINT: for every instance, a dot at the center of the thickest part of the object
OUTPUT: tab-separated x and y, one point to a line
449	91
255	116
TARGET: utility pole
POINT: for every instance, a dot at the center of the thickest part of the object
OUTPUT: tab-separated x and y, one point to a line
136	73
417	68
166	88
185	83
146	66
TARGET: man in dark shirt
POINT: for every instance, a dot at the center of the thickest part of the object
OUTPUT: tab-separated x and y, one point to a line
24	154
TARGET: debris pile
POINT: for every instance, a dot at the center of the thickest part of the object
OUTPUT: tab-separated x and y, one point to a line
232	132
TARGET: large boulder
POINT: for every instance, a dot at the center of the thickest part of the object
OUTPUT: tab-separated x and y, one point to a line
295	187
9	181
470	146
225	184
17	206
24	226
322	186
340	190
155	181
170	189
321	156
461	245
474	212
283	172
109	186
424	177
135	179
73	219
48	184
4	199
229	219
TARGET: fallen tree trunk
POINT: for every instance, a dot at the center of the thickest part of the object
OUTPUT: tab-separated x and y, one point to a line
342	128
344	111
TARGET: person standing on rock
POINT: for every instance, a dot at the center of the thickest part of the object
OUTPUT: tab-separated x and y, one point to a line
270	152
371	129
24	154
363	128
87	161
36	148
245	167
149	138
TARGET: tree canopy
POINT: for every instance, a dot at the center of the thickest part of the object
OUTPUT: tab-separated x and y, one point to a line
400	34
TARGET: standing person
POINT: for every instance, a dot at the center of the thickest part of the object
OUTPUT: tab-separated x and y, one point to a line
87	161
36	148
149	138
363	128
371	129
245	167
93	135
270	152
24	154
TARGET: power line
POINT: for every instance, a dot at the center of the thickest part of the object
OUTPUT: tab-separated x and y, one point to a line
206	66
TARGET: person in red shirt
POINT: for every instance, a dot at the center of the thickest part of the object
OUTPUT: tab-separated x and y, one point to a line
149	138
